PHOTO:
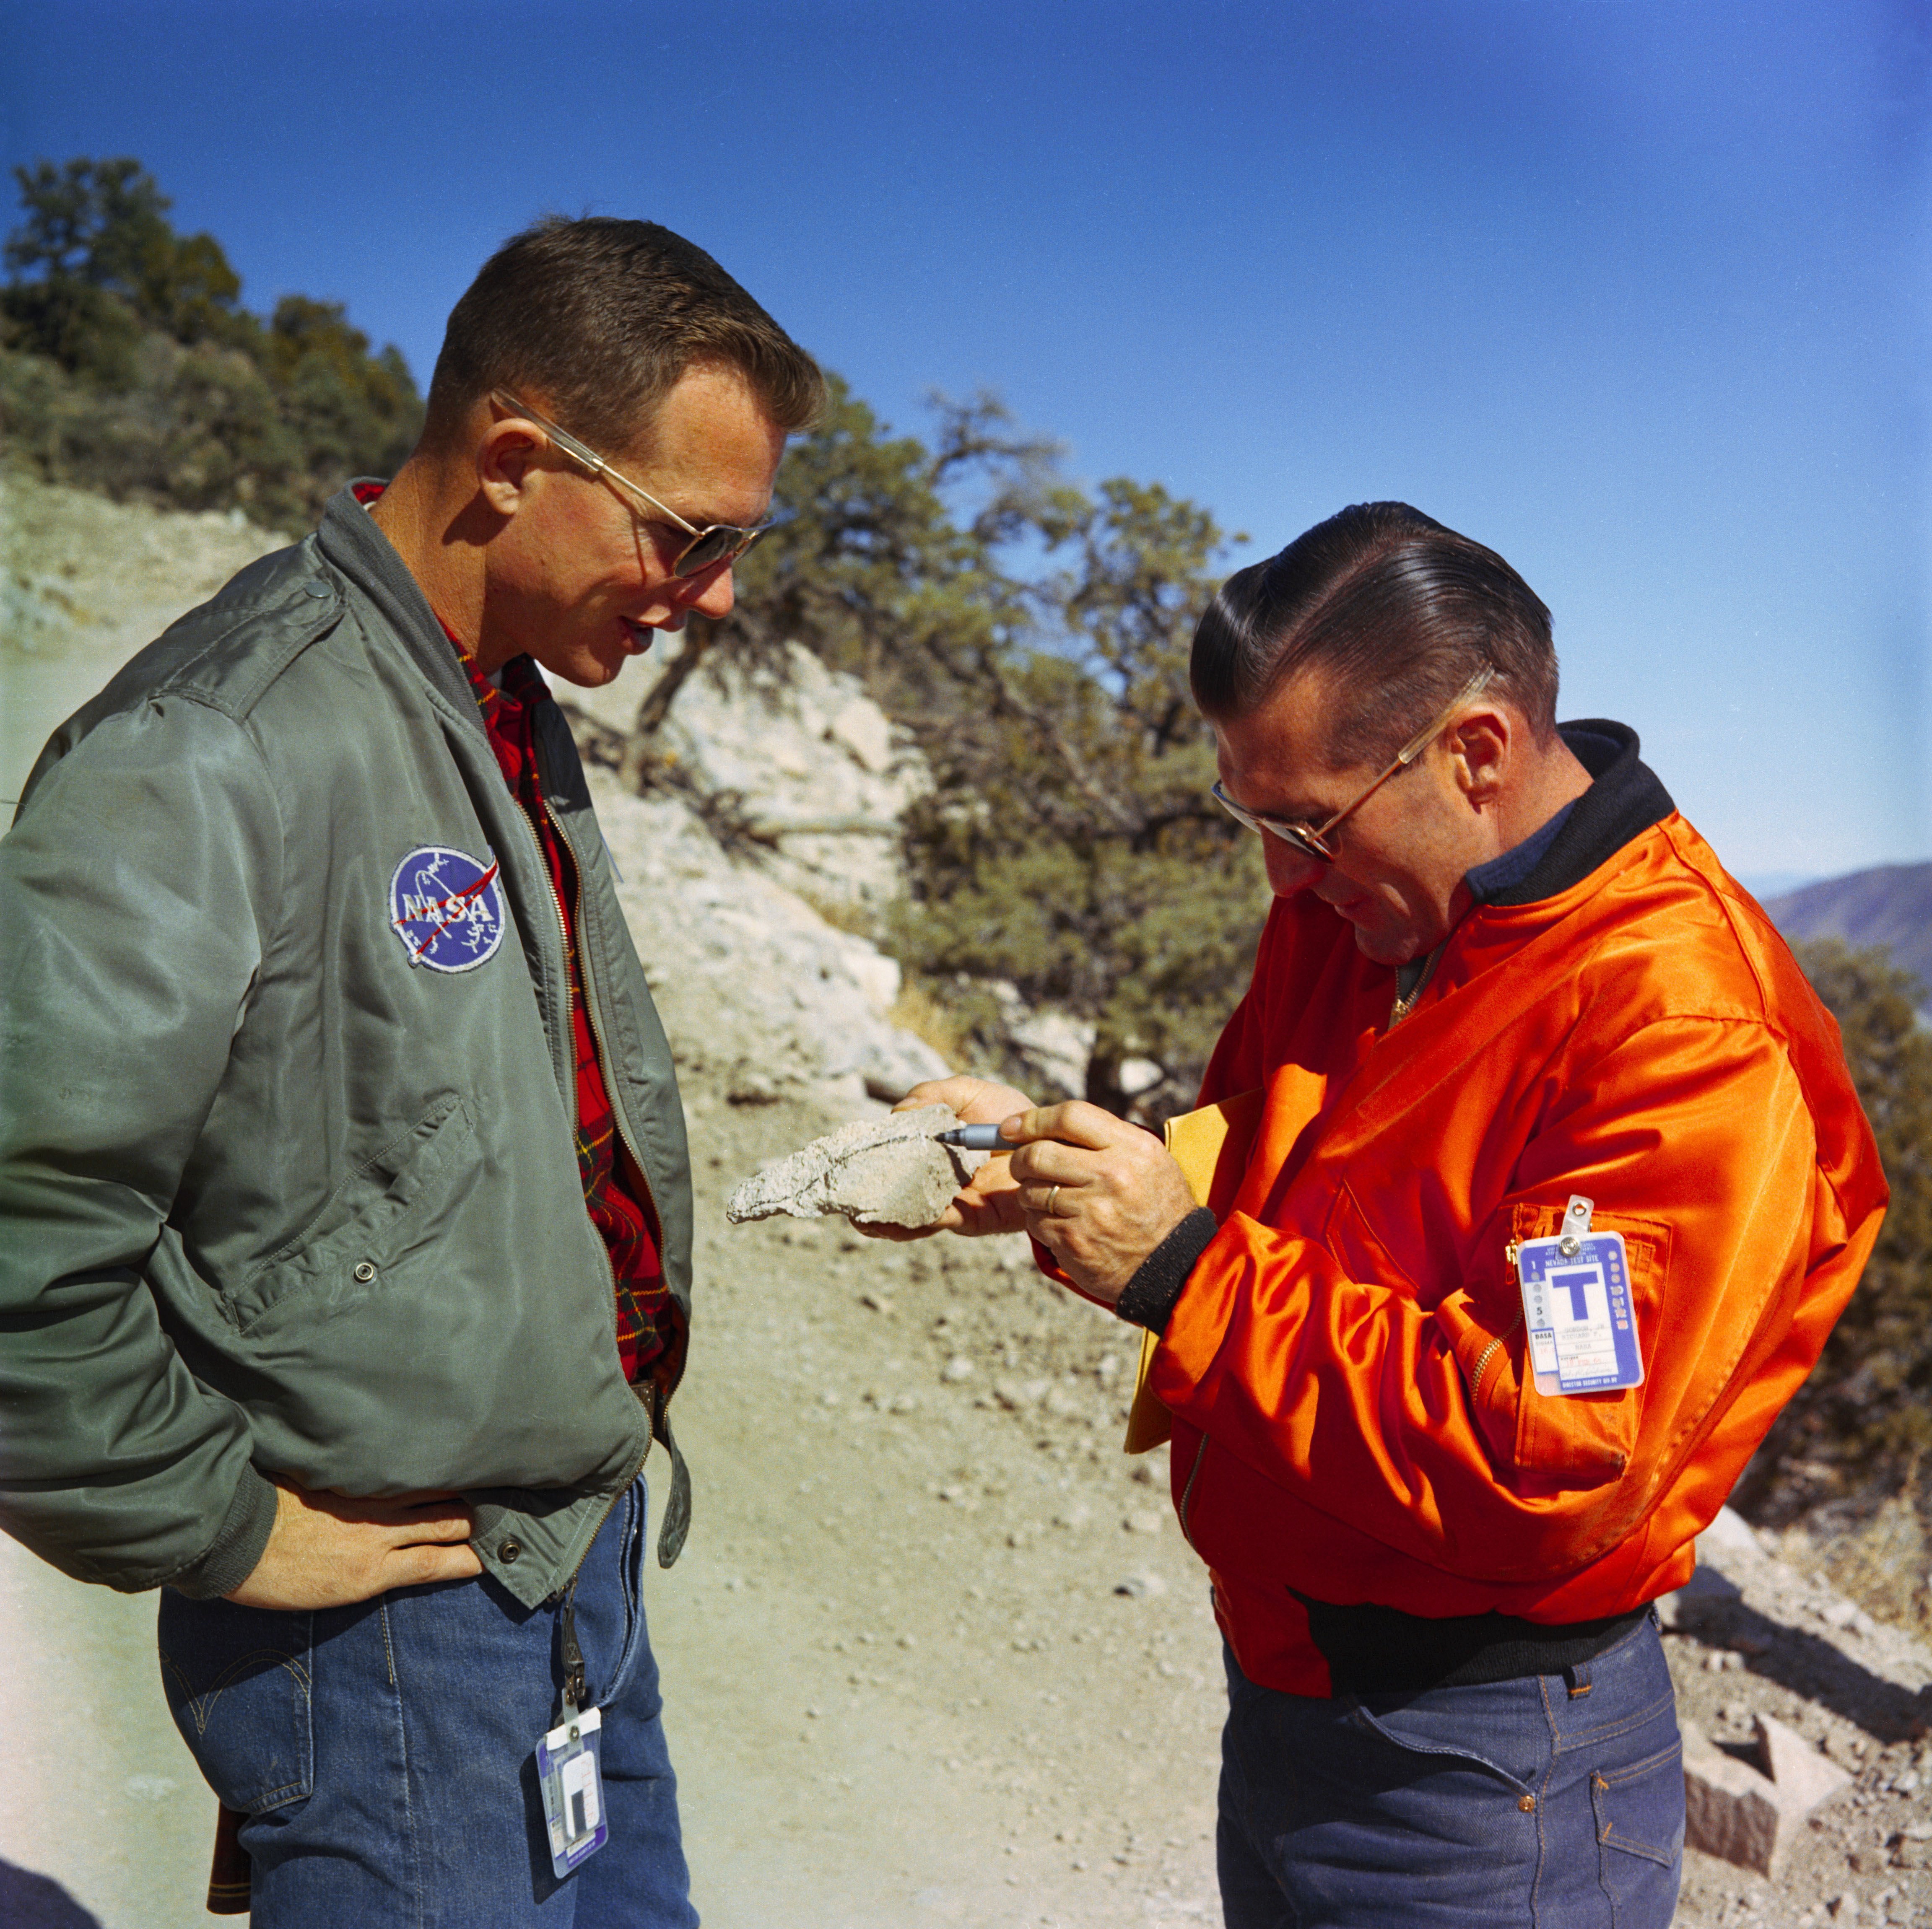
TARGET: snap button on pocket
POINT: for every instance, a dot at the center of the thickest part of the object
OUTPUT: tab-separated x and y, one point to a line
510	1552
365	1272
1527	1803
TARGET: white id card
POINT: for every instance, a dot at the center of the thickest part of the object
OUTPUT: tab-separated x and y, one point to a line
1576	1308
573	1789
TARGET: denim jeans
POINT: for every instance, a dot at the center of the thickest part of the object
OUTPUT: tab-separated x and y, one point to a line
383	1752
1553	1802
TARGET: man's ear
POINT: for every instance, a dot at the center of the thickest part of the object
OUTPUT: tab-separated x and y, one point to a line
1480	747
507	461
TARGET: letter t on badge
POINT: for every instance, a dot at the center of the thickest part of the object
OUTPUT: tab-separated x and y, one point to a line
1577	1307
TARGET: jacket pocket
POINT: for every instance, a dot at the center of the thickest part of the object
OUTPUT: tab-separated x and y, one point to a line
1357	1248
237	1681
1586	1439
336	1261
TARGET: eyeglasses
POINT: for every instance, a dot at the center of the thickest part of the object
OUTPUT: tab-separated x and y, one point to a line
722	542
1311	840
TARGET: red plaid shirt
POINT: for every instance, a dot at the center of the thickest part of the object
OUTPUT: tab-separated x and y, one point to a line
650	1334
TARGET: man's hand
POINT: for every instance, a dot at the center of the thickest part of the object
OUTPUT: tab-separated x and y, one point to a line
989	1200
1099	1193
325	1551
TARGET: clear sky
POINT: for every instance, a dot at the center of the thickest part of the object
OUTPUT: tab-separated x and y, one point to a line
1636	293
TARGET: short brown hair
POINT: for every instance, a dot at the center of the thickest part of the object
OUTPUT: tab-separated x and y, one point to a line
1399	610
603	317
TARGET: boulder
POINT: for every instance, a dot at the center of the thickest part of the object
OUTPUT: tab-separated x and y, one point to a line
1748	1815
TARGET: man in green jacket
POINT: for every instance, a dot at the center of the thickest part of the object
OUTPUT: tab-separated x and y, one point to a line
345	1279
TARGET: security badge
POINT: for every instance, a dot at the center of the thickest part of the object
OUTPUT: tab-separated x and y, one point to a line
1576	1306
569	1760
568	1773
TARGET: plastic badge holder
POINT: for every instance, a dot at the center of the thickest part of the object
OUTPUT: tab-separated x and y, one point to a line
1576	1306
569	1772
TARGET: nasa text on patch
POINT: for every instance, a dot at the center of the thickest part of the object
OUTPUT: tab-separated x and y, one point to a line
447	907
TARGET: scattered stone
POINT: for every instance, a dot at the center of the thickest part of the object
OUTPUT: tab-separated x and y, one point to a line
1730	1810
1804	1779
1141	1587
1748	1815
886	1171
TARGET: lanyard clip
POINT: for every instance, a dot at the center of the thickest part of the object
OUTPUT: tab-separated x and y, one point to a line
1575	1225
572	1657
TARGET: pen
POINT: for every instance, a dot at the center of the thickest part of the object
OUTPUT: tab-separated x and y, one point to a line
975	1138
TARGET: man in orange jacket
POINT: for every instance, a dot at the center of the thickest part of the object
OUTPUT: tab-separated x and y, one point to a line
1544	1181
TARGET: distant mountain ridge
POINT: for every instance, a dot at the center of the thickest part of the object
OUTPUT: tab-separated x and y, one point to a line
1890	905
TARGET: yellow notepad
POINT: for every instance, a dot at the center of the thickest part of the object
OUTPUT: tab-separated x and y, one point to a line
1211	1148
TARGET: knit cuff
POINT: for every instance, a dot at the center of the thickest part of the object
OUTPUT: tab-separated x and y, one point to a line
1148	1298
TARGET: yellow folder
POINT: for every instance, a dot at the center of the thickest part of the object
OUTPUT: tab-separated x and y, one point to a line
1211	1148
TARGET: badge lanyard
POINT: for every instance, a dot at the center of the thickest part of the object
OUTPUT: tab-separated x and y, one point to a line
568	1766
1576	1306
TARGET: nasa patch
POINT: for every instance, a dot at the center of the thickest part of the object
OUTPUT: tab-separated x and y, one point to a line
447	908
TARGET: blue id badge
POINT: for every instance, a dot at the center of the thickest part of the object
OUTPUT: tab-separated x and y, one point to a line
1576	1308
568	1772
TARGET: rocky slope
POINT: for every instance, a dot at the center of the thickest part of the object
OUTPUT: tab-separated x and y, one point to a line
935	1652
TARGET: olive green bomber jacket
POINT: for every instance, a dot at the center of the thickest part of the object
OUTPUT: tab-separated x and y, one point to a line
277	1194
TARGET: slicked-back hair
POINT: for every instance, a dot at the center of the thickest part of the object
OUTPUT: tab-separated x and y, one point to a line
1394	611
602	318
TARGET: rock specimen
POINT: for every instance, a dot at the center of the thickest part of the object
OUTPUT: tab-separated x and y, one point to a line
889	1171
1748	1815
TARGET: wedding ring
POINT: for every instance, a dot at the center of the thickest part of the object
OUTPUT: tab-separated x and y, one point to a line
1047	1209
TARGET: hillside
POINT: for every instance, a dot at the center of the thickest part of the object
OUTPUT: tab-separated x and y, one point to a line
1890	905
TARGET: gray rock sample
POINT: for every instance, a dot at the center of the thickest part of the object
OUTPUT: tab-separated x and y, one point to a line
888	1172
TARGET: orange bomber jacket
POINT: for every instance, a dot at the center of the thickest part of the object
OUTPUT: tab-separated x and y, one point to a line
1353	1421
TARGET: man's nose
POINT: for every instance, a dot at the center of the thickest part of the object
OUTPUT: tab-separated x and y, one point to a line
715	593
1288	869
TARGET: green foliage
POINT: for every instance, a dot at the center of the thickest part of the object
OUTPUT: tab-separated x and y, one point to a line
1861	1425
1034	642
130	366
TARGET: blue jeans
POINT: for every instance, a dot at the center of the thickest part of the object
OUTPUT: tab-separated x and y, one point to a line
382	1752
1553	1802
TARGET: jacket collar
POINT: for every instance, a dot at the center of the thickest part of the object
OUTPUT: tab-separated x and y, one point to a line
350	540
1624	799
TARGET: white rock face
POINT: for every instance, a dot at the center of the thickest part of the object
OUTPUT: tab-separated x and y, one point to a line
753	969
808	756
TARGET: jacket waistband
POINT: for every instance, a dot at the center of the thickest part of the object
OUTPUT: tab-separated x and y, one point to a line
1373	1650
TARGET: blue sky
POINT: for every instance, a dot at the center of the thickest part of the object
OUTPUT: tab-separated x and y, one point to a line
1635	293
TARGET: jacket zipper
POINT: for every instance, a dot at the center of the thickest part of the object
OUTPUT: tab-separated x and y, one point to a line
1488	1353
609	1271
1187	1492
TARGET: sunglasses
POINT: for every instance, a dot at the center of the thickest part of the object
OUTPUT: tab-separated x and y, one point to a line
1311	840
722	542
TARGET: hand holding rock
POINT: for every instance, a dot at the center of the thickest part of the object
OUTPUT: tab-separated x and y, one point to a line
1099	1193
